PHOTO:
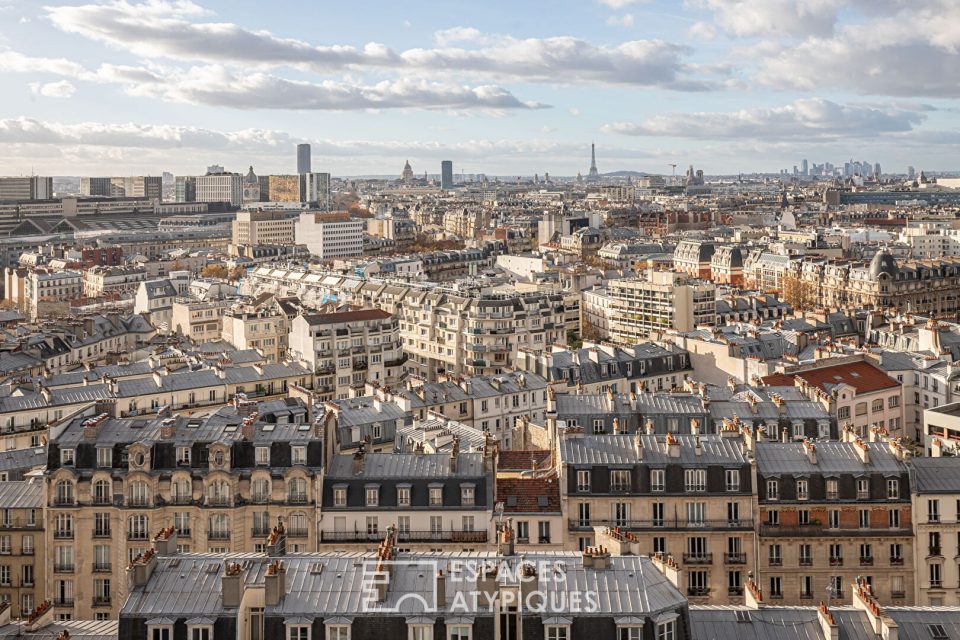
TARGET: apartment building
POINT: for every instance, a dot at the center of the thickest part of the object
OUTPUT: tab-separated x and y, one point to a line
686	496
199	320
330	235
119	282
694	258
857	392
348	348
434	501
936	509
661	301
22	539
262	324
43	292
263	227
830	512
222	481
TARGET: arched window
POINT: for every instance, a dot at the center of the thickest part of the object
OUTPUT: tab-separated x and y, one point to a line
138	527
102	492
260	490
218	493
298	490
297	524
181	491
64	492
139	494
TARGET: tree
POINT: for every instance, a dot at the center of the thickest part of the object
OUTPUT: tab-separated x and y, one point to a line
799	293
218	271
237	272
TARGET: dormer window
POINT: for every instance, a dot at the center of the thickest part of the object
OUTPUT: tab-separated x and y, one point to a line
66	457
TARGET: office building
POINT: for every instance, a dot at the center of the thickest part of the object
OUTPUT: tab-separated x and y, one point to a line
330	235
303	159
185	189
263	227
315	189
26	188
664	300
95	187
446	175
220	187
280	188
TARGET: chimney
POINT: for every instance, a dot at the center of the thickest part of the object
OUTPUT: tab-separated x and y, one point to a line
165	542
753	595
882	624
168	429
231	585
670	569
616	425
275	583
442	589
829	626
39	618
157	379
695	426
506	540
277	542
811	451
358	459
454	455
861	450
649	427
697	449
673	446
140	569
784	435
936	448
638	445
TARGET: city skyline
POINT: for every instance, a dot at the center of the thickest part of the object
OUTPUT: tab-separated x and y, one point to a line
126	87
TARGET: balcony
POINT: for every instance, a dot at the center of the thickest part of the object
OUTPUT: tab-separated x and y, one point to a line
17	523
63	602
698	558
63	534
898	594
102	567
360	366
405	536
101	601
219	501
819	530
667	524
297	532
297	498
775	562
218	535
734	591
836	562
896	561
184	533
735	558
103	500
62	567
181	499
138	502
102	533
866	561
806	562
259	532
64	502
698	592
260	498
138	535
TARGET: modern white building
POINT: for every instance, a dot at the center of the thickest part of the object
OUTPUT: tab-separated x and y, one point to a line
330	235
220	187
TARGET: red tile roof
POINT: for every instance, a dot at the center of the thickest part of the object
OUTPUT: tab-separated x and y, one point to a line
863	376
522	460
527	493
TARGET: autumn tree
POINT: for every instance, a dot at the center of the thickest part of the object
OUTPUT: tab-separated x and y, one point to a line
217	271
799	293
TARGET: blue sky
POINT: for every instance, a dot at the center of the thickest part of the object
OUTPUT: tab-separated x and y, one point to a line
141	86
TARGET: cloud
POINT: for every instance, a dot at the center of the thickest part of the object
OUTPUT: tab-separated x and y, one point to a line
745	18
806	119
913	52
702	31
626	20
177	31
59	89
13	62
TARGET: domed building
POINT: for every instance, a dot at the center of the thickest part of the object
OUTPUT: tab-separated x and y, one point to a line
407	174
251	187
883	265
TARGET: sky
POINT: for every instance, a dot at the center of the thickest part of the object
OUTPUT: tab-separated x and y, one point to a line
121	87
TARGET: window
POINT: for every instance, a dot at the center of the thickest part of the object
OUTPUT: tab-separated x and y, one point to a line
843	413
300	632
833	519
806	554
620	480
104	457
340	496
933	510
629	633
774	556
773	518
733	479
436	496
557	632
893	401
66	457
833	491
695	480
836	555
894	518
893	488
866	553
773	490
598	426
776	587
373	496
459	632
467	495
523	529
667	630
876	405
420	632
863	488
864	516
403	496
696	514
803	516
658	511
198	632
935	576
583	480
658	480
298	454
161	633
543	528
861	409
183	456
262	456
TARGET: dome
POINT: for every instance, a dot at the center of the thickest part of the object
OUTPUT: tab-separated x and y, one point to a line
883	262
251	177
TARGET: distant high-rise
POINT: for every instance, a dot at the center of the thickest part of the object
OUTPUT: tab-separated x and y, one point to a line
911	172
804	167
593	174
26	188
303	158
446	175
876	170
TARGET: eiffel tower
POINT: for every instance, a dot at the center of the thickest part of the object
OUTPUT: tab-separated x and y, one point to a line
593	175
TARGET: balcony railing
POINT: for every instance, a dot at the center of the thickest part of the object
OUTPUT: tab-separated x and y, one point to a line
17	523
297	498
698	558
819	530
260	531
101	601
898	594
806	562
672	524
63	534
137	535
866	561
60	501
836	562
218	535
698	592
102	500
181	499
102	533
735	591
102	567
297	532
405	536
896	560
62	567
775	562
219	501
138	502
63	602
260	498
735	558
934	551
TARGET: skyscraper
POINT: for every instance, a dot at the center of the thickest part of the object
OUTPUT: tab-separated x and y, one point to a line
446	175
804	167
593	174
303	158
